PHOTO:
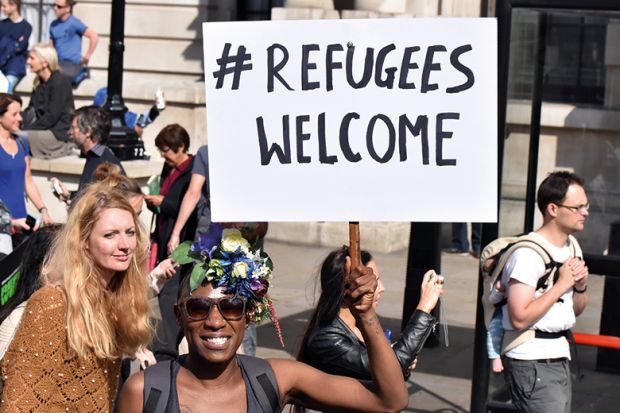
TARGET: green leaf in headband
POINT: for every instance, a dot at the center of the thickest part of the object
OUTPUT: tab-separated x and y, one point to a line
197	277
181	254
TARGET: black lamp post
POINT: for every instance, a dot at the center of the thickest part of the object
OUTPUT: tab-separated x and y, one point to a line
123	140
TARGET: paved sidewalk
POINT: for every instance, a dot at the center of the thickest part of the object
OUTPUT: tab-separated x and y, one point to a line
442	380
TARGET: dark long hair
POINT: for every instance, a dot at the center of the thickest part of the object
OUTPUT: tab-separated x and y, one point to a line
332	293
37	247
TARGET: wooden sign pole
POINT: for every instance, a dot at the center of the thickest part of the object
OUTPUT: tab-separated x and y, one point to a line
354	244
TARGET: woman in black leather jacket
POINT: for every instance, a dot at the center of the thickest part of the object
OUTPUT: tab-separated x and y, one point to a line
332	342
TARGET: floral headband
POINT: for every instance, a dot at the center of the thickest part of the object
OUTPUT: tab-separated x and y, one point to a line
224	258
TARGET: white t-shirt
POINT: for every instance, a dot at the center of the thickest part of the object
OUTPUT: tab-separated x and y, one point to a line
527	266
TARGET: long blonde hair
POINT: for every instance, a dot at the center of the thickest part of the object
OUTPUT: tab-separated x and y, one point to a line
111	320
47	53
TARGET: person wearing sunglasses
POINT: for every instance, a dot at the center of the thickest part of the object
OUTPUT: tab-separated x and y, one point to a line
66	34
229	287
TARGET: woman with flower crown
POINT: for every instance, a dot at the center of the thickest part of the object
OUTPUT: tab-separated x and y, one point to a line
228	287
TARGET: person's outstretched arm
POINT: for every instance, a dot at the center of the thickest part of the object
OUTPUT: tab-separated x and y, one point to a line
421	322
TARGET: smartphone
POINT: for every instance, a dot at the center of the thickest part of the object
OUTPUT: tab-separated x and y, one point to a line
31	222
56	189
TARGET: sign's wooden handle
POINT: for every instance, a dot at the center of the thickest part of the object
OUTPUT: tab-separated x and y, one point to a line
354	244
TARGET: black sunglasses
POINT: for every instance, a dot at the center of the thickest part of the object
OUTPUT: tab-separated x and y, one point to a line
198	308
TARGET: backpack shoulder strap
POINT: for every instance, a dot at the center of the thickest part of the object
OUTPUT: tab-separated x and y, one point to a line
528	241
575	248
261	377
524	241
157	386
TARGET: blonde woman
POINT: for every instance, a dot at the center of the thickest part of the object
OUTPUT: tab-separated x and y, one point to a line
47	118
66	353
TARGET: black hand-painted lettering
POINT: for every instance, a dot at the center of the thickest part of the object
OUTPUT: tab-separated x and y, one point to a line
429	66
388	82
306	66
405	66
454	59
420	128
273	71
330	65
370	142
370	52
345	146
323	156
440	135
284	156
301	137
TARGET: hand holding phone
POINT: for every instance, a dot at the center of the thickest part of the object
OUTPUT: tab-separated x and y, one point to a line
58	190
31	222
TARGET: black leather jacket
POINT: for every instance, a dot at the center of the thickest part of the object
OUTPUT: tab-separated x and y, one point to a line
335	349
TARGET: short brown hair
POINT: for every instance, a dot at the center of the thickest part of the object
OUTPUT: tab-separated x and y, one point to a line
172	136
5	101
553	189
18	4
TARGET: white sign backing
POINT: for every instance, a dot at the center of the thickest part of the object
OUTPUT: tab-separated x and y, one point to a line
352	120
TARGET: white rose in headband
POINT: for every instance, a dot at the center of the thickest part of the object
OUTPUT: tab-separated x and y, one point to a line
233	240
240	270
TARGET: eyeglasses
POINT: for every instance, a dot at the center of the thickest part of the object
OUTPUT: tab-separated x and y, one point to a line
163	150
58	6
576	209
198	308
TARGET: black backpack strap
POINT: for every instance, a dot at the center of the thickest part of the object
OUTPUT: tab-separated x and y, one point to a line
261	376
157	387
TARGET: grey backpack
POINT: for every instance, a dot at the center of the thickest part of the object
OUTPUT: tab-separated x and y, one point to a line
158	384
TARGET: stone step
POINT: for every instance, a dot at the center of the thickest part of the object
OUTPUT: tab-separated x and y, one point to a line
299	13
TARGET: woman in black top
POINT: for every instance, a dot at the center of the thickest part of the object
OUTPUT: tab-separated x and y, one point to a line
173	144
332	341
48	116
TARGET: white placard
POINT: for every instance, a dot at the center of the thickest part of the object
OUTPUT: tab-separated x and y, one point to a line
352	120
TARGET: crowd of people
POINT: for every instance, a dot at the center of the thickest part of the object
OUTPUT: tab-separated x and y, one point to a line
101	293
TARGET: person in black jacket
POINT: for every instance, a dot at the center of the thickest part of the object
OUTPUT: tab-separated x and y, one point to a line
48	116
90	129
332	341
173	143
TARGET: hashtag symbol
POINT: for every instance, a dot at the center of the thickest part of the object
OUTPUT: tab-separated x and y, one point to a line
238	66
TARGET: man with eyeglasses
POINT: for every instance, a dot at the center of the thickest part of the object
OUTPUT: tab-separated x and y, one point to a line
66	35
537	369
90	130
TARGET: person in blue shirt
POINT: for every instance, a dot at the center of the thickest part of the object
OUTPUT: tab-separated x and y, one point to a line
66	34
15	176
14	35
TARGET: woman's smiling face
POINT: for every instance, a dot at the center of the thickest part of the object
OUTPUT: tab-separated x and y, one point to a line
12	118
215	339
